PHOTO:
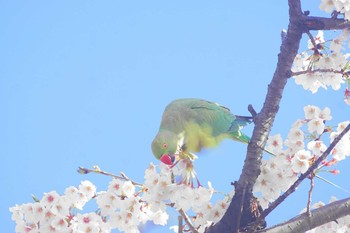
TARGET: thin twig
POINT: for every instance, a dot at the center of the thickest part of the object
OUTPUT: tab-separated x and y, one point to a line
180	218
312	182
311	39
188	221
83	170
317	71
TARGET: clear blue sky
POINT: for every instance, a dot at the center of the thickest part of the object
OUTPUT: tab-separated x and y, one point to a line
84	83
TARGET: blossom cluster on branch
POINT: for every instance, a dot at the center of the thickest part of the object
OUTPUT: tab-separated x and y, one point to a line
56	213
306	141
123	206
323	64
341	6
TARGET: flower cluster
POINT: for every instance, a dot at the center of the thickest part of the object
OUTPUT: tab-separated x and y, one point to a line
162	191
294	155
342	149
53	213
341	6
124	206
323	65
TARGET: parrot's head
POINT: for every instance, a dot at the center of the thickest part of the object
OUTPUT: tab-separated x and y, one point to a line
164	146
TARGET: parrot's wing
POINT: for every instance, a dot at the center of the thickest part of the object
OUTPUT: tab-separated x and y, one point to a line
222	120
209	113
205	114
208	105
205	104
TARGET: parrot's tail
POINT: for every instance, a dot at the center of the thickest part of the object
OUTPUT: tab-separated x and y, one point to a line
240	137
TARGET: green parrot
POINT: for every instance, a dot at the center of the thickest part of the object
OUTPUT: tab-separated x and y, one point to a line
189	125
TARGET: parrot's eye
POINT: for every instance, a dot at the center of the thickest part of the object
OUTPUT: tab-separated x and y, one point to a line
165	145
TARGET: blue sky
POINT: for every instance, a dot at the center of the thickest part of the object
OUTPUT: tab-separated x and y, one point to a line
84	83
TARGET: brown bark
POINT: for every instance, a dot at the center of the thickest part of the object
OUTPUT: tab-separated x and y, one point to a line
320	216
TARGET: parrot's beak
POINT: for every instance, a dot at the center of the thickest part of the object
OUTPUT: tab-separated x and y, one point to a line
167	159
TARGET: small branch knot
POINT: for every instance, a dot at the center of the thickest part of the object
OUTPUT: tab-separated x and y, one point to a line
252	110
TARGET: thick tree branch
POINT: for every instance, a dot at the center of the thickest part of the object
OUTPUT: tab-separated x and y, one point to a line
264	120
320	216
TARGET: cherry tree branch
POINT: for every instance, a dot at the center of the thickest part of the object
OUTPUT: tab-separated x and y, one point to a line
318	217
299	23
322	23
264	120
